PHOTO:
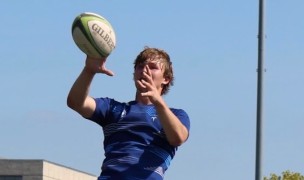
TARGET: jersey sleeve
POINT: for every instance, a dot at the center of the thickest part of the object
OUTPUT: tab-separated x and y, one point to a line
101	112
183	117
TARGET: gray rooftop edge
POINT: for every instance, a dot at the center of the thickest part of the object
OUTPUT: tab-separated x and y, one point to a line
43	160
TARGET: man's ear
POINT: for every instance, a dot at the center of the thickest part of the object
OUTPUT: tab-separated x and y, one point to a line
166	81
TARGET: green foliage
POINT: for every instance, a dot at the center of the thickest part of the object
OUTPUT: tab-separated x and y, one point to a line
286	175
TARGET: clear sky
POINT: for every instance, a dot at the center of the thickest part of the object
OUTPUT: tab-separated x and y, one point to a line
213	45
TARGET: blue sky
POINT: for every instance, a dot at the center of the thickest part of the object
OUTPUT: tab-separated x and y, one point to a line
213	45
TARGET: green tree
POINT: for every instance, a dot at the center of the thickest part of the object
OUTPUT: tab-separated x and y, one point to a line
286	175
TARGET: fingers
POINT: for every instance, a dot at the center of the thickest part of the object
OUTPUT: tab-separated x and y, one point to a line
141	83
147	88
148	71
148	75
108	72
146	93
97	65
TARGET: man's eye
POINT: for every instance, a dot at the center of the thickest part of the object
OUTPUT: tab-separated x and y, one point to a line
153	67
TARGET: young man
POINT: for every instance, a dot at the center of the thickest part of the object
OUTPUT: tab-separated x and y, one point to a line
141	136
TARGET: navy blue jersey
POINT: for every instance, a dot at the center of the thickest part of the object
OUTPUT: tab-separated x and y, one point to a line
134	141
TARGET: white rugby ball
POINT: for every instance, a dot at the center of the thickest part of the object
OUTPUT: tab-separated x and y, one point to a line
93	35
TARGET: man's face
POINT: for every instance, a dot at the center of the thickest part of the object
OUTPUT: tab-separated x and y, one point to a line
154	69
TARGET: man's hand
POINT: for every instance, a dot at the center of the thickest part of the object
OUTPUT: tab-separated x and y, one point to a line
97	65
148	84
